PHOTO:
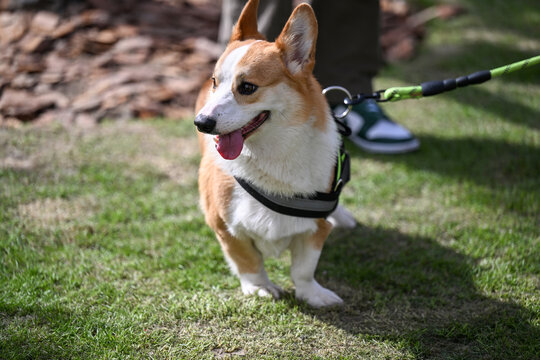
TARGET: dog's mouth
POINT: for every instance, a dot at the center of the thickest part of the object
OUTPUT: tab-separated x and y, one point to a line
230	145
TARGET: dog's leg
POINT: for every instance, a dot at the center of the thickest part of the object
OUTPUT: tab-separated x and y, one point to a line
247	263
305	254
342	218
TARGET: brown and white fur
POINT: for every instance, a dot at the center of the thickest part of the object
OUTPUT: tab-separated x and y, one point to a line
292	151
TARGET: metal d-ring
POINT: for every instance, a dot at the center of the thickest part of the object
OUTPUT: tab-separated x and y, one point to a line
349	96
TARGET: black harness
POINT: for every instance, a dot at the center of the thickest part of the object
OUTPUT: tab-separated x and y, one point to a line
319	205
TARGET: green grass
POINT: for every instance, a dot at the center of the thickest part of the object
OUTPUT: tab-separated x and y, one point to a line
104	252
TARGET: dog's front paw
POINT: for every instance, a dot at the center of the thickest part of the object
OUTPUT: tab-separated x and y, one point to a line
316	295
254	284
342	218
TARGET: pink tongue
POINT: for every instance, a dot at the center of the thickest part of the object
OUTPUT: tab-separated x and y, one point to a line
230	145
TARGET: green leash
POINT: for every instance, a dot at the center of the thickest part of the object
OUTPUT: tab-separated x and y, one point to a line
438	87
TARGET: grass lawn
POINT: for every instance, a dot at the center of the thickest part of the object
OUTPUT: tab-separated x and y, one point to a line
104	253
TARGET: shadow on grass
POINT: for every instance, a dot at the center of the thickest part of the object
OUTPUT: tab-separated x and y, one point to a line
499	106
507	16
417	293
469	56
501	167
29	340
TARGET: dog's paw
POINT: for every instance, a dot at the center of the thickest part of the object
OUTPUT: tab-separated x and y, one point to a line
266	290
253	285
316	295
342	218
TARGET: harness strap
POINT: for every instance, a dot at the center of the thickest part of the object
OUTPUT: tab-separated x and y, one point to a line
320	205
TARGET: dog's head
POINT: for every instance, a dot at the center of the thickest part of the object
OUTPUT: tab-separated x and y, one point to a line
259	85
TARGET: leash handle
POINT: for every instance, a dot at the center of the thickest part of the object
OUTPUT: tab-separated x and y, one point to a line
431	88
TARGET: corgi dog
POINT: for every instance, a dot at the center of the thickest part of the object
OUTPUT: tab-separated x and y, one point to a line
262	118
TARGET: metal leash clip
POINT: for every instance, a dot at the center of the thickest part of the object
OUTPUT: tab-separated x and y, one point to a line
378	96
345	101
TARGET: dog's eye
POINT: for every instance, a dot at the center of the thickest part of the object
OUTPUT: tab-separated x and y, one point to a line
246	88
214	82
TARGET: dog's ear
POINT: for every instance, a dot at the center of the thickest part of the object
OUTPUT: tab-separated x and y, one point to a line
246	27
297	40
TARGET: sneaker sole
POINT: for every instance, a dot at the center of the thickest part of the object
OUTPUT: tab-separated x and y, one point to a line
386	148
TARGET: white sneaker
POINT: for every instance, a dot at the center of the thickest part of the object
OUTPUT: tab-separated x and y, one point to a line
373	131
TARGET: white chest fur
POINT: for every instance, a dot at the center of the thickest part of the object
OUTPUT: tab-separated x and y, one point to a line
272	232
282	160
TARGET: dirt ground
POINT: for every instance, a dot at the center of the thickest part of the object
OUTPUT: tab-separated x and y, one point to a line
79	62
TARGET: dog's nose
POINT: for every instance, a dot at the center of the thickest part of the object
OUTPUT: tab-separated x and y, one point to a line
205	124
